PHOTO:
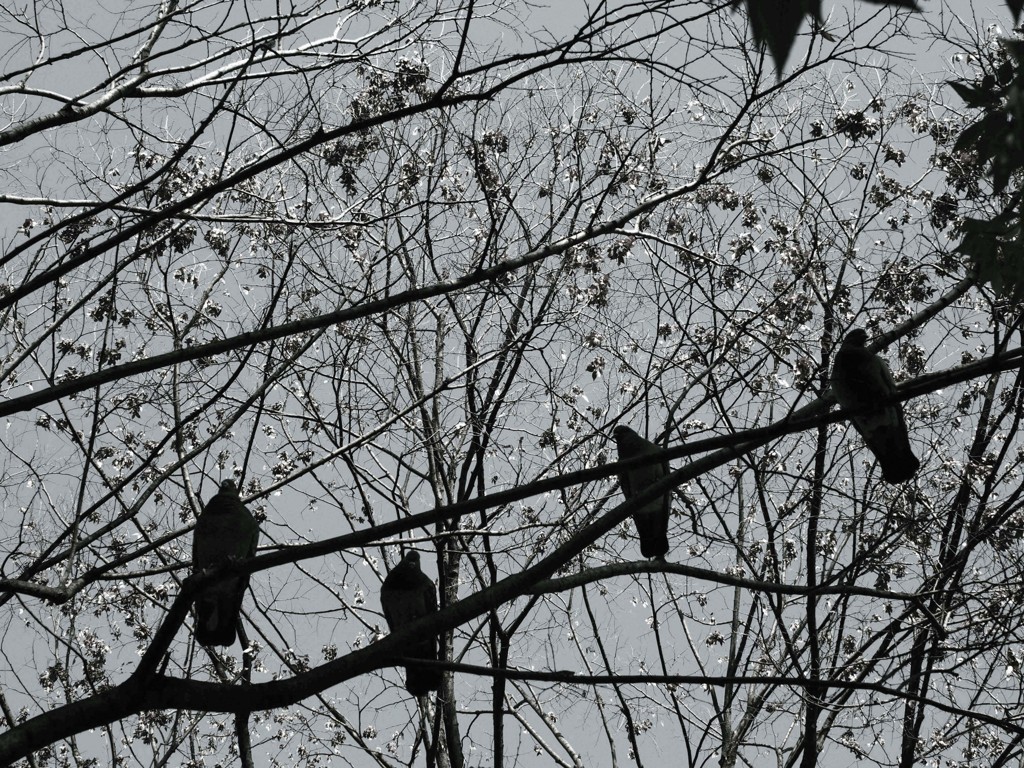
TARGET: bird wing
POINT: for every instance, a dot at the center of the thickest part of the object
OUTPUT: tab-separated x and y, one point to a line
250	534
401	606
428	594
212	541
857	379
401	597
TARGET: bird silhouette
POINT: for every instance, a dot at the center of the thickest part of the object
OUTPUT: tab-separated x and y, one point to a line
863	385
226	531
408	594
652	518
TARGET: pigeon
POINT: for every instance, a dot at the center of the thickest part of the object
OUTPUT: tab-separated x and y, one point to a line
226	531
406	595
652	518
863	385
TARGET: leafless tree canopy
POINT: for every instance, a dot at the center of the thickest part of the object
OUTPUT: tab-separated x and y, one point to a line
399	269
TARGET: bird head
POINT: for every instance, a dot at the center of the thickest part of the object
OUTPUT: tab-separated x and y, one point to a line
229	486
412	557
858	337
623	433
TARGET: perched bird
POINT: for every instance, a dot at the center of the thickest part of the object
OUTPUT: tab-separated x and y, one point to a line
406	595
863	385
225	531
652	518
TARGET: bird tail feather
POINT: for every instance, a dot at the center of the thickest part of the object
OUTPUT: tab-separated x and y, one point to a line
653	532
215	620
420	680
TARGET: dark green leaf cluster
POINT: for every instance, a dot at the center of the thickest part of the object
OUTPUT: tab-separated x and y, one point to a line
995	140
776	22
